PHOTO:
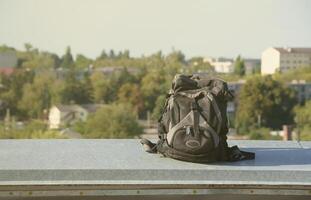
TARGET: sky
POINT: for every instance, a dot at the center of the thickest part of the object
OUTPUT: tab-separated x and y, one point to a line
216	28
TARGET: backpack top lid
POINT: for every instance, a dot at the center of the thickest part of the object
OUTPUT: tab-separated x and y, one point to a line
183	82
192	82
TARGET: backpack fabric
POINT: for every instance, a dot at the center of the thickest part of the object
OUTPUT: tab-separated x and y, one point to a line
194	123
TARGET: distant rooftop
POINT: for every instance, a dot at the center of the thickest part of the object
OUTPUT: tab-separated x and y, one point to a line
71	108
8	59
293	50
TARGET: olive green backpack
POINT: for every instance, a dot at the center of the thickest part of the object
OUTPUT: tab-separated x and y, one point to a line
194	124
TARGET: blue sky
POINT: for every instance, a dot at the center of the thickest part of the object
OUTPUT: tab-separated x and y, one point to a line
196	27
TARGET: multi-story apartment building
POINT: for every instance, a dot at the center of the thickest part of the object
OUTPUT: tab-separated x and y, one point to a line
302	88
283	59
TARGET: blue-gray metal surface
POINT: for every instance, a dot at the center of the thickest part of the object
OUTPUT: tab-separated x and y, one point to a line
114	167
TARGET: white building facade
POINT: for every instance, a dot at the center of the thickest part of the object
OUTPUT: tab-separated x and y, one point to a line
283	59
62	115
221	65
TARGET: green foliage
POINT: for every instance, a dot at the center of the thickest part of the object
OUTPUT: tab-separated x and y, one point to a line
231	77
76	91
101	87
12	90
103	55
67	59
35	129
5	48
303	73
111	121
256	69
262	134
305	133
112	54
264	102
28	47
36	85
303	114
33	59
130	93
239	67
303	120
159	107
82	62
106	87
197	64
155	83
37	96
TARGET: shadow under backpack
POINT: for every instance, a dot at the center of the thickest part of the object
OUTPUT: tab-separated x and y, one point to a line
194	123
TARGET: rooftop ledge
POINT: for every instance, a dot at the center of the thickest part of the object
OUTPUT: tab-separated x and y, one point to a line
120	167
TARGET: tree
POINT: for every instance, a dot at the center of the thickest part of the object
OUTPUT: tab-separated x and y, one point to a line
197	64
112	121
112	54
155	60
176	56
103	55
57	60
130	93
126	54
174	62
302	73
264	102
154	83
67	59
303	119
76	91
36	96
5	48
87	89
82	62
28	47
117	79
159	107
101	87
303	114
239	67
12	90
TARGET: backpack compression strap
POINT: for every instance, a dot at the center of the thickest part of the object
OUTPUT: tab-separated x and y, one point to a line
149	146
235	154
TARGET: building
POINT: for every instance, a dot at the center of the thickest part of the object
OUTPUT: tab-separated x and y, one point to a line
276	59
8	62
221	65
62	115
251	65
109	70
302	88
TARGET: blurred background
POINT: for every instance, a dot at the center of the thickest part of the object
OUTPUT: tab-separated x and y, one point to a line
102	68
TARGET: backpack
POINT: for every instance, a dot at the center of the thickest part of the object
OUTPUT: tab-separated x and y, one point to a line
194	123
